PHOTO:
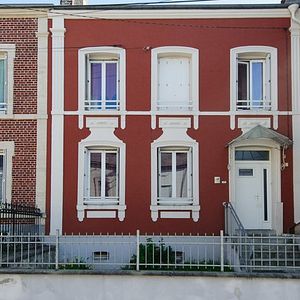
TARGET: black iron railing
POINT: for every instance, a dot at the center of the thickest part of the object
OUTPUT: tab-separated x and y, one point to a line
18	219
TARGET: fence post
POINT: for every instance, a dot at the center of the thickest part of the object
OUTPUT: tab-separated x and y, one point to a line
56	248
137	250
222	250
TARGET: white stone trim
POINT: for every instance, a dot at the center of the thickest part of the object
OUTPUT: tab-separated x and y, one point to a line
10	51
23	12
175	215
295	79
173	13
41	151
100	214
102	135
175	134
193	54
57	141
247	123
276	211
121	54
8	149
234	52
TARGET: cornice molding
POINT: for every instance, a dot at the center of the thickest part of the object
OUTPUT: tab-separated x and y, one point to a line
24	13
172	14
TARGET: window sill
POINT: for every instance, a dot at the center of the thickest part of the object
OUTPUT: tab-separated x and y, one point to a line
101	211
175	212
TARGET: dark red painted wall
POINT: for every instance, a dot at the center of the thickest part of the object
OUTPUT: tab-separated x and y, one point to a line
214	39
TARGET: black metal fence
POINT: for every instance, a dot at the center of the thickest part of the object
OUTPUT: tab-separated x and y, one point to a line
18	219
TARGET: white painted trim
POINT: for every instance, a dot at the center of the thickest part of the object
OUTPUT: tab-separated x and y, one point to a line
101	214
102	135
193	54
176	113
24	12
9	150
175	215
10	50
173	13
247	123
234	52
295	79
175	134
41	151
57	141
24	117
276	217
121	54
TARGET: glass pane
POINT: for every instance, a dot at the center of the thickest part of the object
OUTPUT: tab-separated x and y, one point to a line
96	81
245	172
251	155
242	81
257	81
111	185
165	175
2	80
95	175
1	178
181	174
111	83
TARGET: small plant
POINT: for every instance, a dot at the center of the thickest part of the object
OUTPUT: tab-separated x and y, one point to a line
153	256
76	264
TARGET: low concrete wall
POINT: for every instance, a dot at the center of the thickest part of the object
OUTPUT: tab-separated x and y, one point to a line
144	287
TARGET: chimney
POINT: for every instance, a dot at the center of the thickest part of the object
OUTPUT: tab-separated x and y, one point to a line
73	2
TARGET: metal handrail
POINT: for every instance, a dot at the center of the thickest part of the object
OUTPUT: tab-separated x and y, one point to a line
229	208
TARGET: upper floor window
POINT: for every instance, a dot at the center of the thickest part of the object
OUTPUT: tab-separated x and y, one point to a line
174	75
101	79
7	54
254	78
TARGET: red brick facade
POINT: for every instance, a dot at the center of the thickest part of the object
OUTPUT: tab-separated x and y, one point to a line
22	33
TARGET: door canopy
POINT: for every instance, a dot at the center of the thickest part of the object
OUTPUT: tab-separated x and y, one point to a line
259	133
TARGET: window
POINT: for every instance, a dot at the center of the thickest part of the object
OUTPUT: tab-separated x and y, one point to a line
254	78
3	82
174	172
2	176
6	155
102	176
101	79
174	79
7	54
101	171
175	176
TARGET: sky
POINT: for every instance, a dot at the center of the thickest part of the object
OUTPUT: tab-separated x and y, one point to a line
56	2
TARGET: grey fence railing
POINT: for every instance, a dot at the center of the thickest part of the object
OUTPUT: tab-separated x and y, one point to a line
151	252
16	219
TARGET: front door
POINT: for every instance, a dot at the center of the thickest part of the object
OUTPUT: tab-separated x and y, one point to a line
252	188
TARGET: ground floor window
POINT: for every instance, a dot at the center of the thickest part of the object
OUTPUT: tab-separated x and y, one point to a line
2	177
175	176
102	176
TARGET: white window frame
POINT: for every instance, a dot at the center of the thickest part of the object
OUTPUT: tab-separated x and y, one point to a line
175	136
174	200
101	137
7	150
7	52
175	51
102	54
251	54
102	200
